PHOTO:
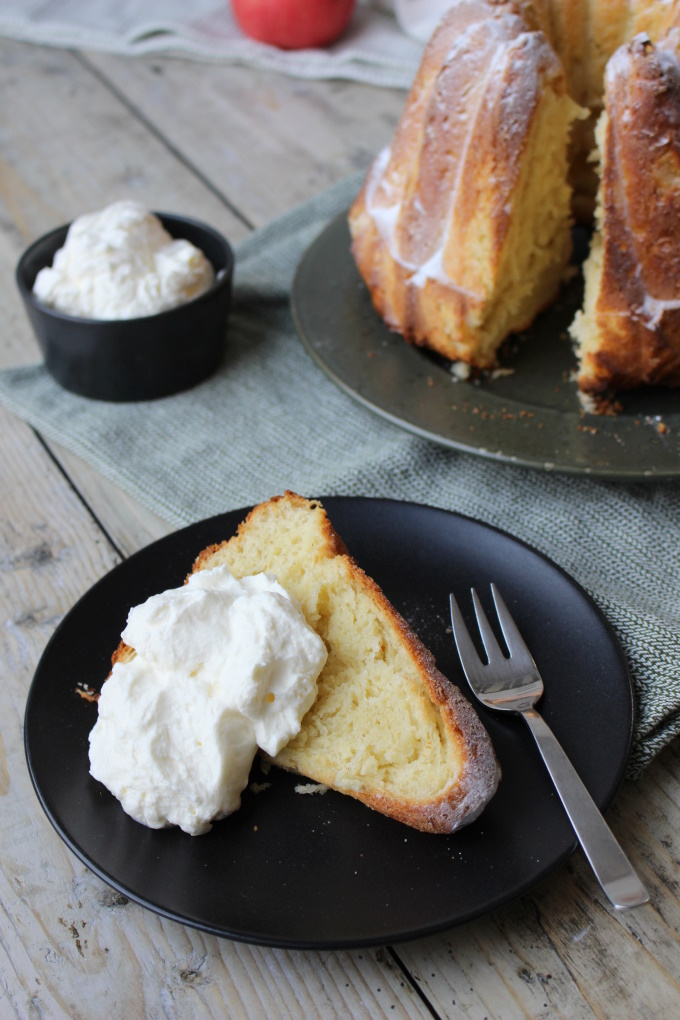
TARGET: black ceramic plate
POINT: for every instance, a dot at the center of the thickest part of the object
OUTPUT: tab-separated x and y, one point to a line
530	417
323	871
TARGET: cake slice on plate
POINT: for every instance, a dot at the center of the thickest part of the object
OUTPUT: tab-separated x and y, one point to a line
386	726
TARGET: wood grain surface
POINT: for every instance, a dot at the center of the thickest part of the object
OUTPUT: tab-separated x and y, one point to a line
236	146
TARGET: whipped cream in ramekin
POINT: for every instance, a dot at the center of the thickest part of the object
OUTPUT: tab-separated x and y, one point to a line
121	263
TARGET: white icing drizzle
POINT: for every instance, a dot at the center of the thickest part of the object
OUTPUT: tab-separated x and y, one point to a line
433	269
652	309
384	216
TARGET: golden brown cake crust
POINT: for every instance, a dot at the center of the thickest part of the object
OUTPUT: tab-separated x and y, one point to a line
123	653
636	314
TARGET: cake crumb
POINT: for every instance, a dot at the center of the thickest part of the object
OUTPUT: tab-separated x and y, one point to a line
460	372
657	423
311	788
259	787
605	406
87	693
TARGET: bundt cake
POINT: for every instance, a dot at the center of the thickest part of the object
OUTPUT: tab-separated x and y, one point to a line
462	229
629	330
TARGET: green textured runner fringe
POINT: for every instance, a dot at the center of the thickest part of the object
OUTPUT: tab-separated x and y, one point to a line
269	420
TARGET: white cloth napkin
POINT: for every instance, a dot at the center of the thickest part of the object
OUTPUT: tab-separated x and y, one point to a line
374	49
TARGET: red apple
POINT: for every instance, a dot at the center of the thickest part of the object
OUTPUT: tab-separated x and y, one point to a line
293	24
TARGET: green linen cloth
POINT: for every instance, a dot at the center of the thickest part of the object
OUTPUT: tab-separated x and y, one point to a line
270	420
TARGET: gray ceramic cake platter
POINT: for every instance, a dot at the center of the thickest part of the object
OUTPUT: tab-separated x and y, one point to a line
530	415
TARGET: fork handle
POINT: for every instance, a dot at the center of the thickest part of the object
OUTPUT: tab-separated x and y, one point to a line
612	868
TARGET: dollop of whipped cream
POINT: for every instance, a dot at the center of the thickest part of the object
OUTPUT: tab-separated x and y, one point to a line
222	667
121	263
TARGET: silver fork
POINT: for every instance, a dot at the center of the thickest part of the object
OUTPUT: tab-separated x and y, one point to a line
514	685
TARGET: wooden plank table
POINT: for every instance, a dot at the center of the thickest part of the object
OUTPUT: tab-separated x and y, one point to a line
236	147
